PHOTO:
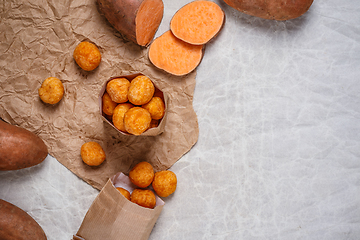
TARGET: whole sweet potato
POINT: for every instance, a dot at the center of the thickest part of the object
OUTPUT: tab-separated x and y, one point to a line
136	20
19	148
272	9
15	223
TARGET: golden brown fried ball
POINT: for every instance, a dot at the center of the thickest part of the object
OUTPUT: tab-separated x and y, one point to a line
51	90
92	153
141	90
164	183
159	93
118	89
142	174
137	120
124	192
143	197
156	108
108	105
87	56
154	123
118	115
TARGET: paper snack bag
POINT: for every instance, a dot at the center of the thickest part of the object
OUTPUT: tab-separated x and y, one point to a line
153	131
111	216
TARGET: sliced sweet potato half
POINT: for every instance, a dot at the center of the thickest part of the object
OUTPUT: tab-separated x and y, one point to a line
136	20
173	55
197	22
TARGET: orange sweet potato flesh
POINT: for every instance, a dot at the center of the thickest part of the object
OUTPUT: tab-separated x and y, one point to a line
136	20
173	55
15	223
280	10
197	22
19	148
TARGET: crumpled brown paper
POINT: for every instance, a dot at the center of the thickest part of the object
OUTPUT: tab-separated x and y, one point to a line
37	41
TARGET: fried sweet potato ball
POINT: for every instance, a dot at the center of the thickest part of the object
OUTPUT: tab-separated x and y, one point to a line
154	123
108	105
124	192
118	89
142	174
51	90
137	120
141	90
92	153
143	197
164	183
118	115
87	56
156	108
159	93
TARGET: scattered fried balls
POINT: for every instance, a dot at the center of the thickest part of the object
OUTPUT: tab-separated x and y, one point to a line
118	115
92	153
108	105
142	174
137	120
51	90
156	108
87	56
164	183
118	89
141	90
143	197
124	192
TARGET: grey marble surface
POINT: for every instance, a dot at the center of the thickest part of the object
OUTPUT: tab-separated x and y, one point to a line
278	156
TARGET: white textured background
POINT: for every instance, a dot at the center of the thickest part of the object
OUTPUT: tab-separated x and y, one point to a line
278	156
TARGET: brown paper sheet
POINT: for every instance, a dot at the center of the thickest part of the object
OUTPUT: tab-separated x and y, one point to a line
37	41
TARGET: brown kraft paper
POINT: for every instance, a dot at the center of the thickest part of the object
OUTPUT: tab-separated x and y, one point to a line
37	41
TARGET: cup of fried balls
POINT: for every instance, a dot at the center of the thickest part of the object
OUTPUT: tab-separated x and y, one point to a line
142	175
132	104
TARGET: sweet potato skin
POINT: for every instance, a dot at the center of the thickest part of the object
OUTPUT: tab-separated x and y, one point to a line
114	11
280	10
19	148
15	223
121	14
